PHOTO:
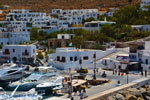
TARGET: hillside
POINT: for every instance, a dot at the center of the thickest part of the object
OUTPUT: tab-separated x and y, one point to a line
46	5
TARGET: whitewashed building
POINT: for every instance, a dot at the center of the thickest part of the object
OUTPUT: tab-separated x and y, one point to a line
76	16
141	27
140	52
96	25
65	58
23	15
65	36
145	3
19	53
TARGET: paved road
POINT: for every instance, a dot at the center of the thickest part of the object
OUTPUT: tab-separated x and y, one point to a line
114	78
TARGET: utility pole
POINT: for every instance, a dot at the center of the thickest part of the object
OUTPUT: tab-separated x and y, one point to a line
70	83
127	71
80	62
94	70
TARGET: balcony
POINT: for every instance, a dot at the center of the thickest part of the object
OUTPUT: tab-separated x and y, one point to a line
6	53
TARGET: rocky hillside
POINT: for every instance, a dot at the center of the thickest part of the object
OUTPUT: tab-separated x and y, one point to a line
142	93
46	5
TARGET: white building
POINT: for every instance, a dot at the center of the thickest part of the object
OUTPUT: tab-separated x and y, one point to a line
141	27
141	54
145	3
111	12
19	53
65	58
96	25
15	32
113	64
75	17
65	36
23	15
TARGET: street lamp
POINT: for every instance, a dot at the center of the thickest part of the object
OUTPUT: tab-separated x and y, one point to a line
94	70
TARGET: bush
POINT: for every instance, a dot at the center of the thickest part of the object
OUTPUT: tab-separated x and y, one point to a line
40	55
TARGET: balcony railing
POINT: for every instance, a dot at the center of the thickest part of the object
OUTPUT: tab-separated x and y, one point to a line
6	53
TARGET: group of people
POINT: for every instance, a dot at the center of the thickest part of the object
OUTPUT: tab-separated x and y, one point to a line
116	72
143	73
82	92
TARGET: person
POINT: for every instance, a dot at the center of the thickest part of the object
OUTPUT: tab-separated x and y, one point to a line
145	73
118	82
142	73
84	93
97	70
113	72
75	91
72	98
69	94
81	95
79	91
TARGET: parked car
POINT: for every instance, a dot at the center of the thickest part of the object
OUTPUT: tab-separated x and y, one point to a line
82	70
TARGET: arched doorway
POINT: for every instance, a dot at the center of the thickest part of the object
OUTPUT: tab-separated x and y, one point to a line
14	59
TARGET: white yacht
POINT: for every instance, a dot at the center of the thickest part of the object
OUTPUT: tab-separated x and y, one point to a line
47	88
45	74
12	74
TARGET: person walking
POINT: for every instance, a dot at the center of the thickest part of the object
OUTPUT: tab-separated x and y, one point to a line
81	95
142	73
145	73
75	91
72	98
118	82
79	89
84	93
113	72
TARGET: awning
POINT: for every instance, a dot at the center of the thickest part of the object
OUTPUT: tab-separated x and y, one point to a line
78	82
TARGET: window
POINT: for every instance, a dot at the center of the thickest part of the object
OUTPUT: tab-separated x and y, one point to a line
146	61
75	58
71	58
63	59
85	58
13	50
51	44
58	58
62	36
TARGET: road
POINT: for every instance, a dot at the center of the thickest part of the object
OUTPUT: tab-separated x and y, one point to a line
114	79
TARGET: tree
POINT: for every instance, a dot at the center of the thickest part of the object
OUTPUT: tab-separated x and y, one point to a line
34	34
78	41
128	15
41	35
88	19
40	55
99	47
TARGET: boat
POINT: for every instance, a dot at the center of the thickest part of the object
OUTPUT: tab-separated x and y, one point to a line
47	88
12	74
31	81
8	65
30	95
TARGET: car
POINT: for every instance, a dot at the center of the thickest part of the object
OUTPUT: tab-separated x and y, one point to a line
82	70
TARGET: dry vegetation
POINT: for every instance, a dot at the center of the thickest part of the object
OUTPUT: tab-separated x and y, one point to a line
46	5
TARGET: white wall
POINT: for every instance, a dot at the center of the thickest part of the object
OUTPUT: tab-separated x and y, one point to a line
75	64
